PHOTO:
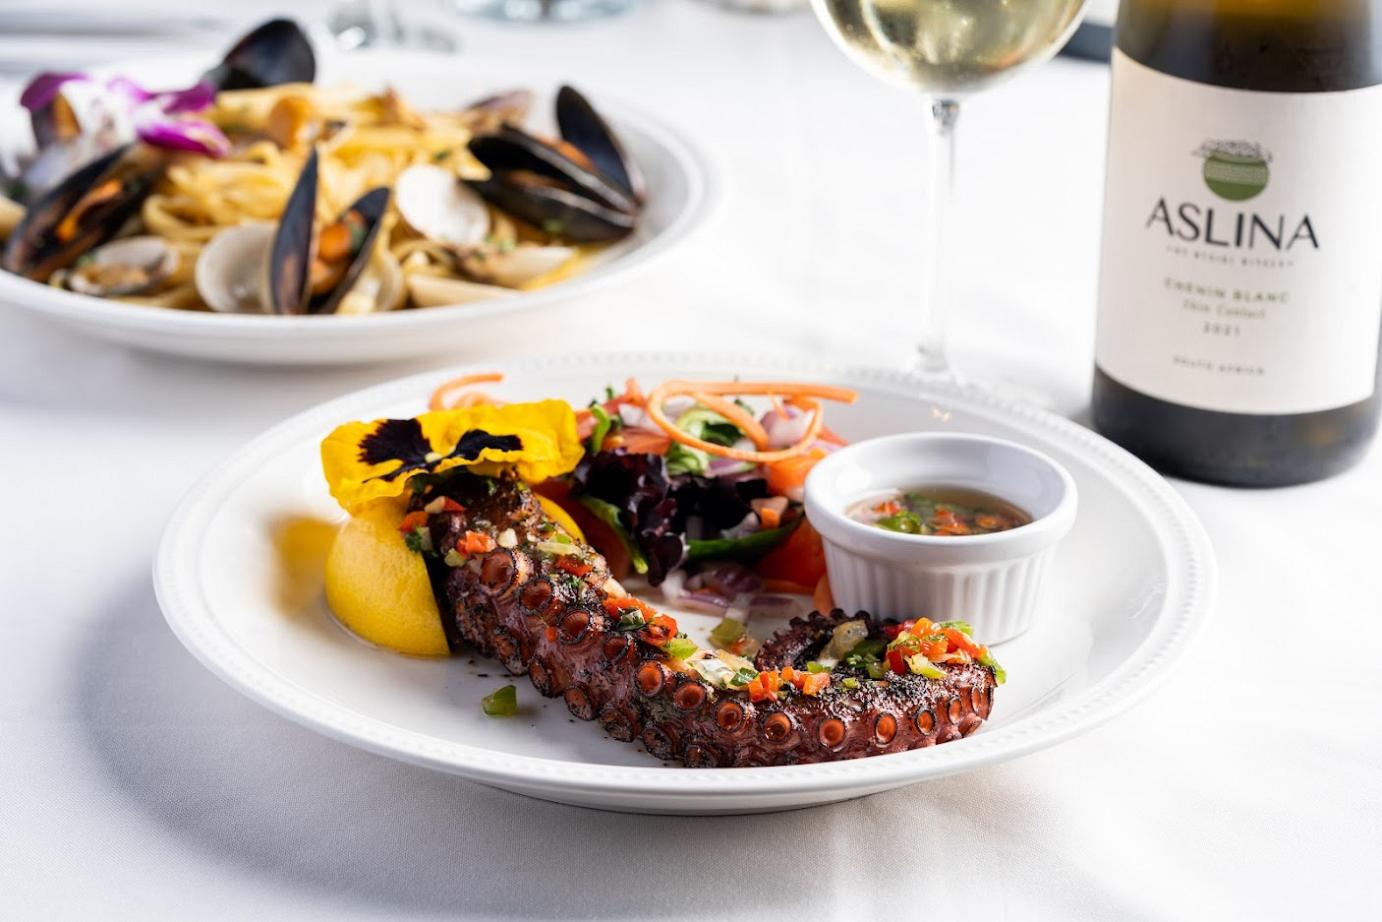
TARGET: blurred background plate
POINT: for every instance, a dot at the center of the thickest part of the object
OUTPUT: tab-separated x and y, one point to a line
1129	587
679	196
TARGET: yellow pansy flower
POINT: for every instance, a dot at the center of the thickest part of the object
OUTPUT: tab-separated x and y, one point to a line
365	462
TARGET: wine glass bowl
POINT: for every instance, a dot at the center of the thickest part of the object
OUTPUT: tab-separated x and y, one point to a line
948	48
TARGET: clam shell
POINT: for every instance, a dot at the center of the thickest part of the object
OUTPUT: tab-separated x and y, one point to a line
231	271
522	264
440	207
436	291
147	262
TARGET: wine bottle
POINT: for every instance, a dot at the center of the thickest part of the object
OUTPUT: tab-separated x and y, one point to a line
1240	293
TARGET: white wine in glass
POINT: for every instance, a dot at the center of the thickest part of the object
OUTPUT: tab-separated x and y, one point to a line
947	49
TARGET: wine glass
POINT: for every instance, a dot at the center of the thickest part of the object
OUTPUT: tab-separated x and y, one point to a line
948	49
380	24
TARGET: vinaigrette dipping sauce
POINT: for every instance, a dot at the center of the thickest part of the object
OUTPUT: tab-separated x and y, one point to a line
942	511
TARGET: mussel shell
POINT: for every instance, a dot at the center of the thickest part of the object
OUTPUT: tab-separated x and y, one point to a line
273	53
33	249
370	207
582	126
511	149
290	257
558	211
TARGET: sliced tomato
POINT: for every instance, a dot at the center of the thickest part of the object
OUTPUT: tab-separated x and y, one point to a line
800	559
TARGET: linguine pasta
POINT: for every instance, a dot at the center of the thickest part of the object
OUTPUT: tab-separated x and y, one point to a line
363	141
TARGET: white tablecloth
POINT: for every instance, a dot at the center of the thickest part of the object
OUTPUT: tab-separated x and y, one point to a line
133	784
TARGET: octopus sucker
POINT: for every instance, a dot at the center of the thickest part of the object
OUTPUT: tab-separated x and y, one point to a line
538	605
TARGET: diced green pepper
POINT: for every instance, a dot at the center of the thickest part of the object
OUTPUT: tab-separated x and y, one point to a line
1000	675
726	633
908	523
920	665
501	703
603	423
680	647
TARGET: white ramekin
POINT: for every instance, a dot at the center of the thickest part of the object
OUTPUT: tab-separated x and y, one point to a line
992	581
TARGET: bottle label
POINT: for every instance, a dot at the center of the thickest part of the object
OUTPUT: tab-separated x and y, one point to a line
1242	244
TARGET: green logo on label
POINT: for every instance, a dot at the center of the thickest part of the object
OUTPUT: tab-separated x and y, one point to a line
1235	170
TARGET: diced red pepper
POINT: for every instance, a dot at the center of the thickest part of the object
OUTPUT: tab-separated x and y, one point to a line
660	629
962	641
891	631
897	662
934	648
450	505
772	681
475	542
573	566
412	521
615	607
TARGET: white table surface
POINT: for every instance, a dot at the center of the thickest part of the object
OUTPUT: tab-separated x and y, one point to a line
133	784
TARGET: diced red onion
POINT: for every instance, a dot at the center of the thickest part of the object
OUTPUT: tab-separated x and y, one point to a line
676	406
725	467
704	601
633	417
747	526
728	580
785	431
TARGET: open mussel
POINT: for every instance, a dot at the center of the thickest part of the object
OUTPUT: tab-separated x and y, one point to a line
291	269
557	209
84	211
551	188
583	128
274	53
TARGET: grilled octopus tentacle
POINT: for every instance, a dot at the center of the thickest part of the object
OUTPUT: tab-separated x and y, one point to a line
544	615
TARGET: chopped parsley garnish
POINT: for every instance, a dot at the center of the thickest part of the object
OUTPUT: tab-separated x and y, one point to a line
631	619
419	540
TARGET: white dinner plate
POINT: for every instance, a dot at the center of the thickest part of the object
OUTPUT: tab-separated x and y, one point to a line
679	195
1129	587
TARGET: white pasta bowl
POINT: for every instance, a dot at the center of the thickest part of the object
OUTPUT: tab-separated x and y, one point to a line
992	580
680	196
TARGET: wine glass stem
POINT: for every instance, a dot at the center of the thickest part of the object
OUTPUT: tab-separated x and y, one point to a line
935	306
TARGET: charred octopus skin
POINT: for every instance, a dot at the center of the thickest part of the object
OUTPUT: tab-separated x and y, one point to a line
545	615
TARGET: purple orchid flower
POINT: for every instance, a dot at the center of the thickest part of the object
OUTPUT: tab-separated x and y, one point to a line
160	119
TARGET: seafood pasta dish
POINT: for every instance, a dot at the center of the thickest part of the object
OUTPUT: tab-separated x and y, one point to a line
257	190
